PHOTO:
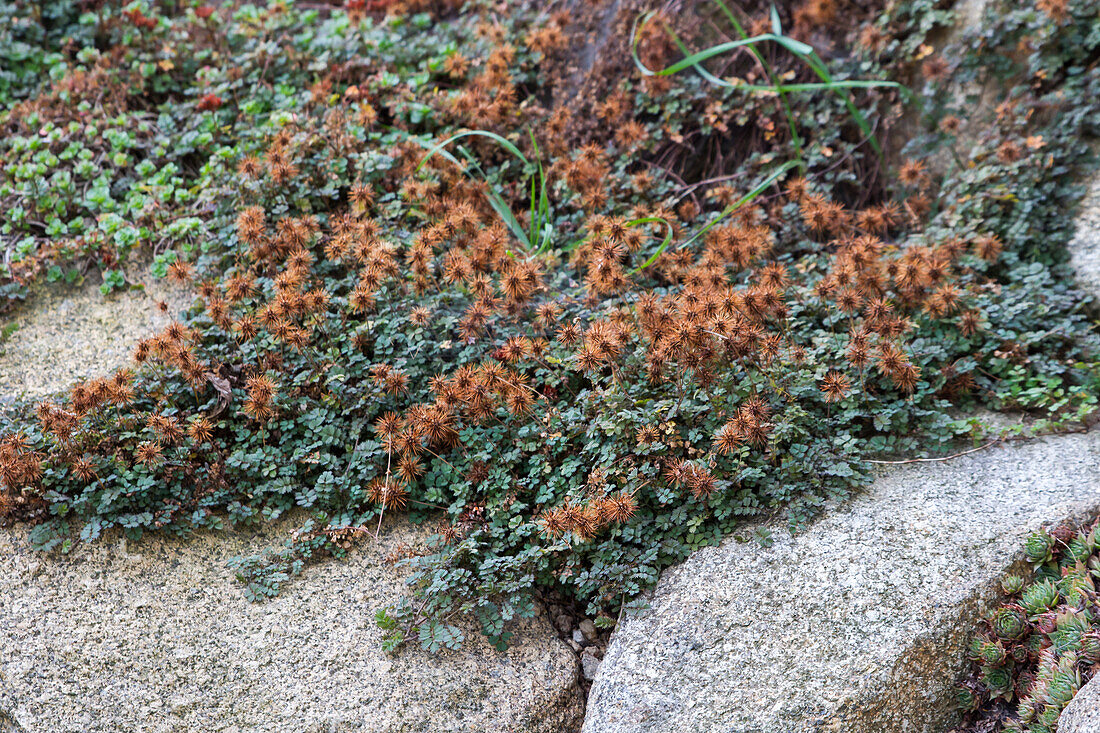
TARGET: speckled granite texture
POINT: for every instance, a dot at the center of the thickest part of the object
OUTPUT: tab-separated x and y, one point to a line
1084	249
857	625
66	334
1082	715
157	636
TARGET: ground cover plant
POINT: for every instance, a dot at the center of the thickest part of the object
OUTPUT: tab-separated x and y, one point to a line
91	166
582	337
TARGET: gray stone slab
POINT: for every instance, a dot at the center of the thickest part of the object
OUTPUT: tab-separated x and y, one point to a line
1084	248
157	636
856	625
1082	715
67	334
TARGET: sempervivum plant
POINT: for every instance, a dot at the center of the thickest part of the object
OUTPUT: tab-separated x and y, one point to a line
1039	597
1038	547
1009	622
1039	646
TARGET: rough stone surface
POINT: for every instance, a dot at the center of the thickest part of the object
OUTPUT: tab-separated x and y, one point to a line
590	665
157	636
856	625
1082	715
68	334
1084	248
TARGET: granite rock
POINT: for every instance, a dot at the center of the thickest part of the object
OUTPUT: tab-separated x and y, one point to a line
856	625
590	665
1082	715
157	636
1084	248
65	334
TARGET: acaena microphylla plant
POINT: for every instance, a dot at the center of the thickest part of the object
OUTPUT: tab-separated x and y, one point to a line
373	338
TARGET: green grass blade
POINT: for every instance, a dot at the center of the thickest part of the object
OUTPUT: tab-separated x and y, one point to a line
499	204
721	48
695	58
532	215
496	201
802	50
822	71
504	143
661	247
543	231
750	196
842	84
784	104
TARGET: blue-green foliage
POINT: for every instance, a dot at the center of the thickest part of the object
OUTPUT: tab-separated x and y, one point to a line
159	170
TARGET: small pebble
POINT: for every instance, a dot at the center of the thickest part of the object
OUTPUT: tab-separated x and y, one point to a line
590	663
